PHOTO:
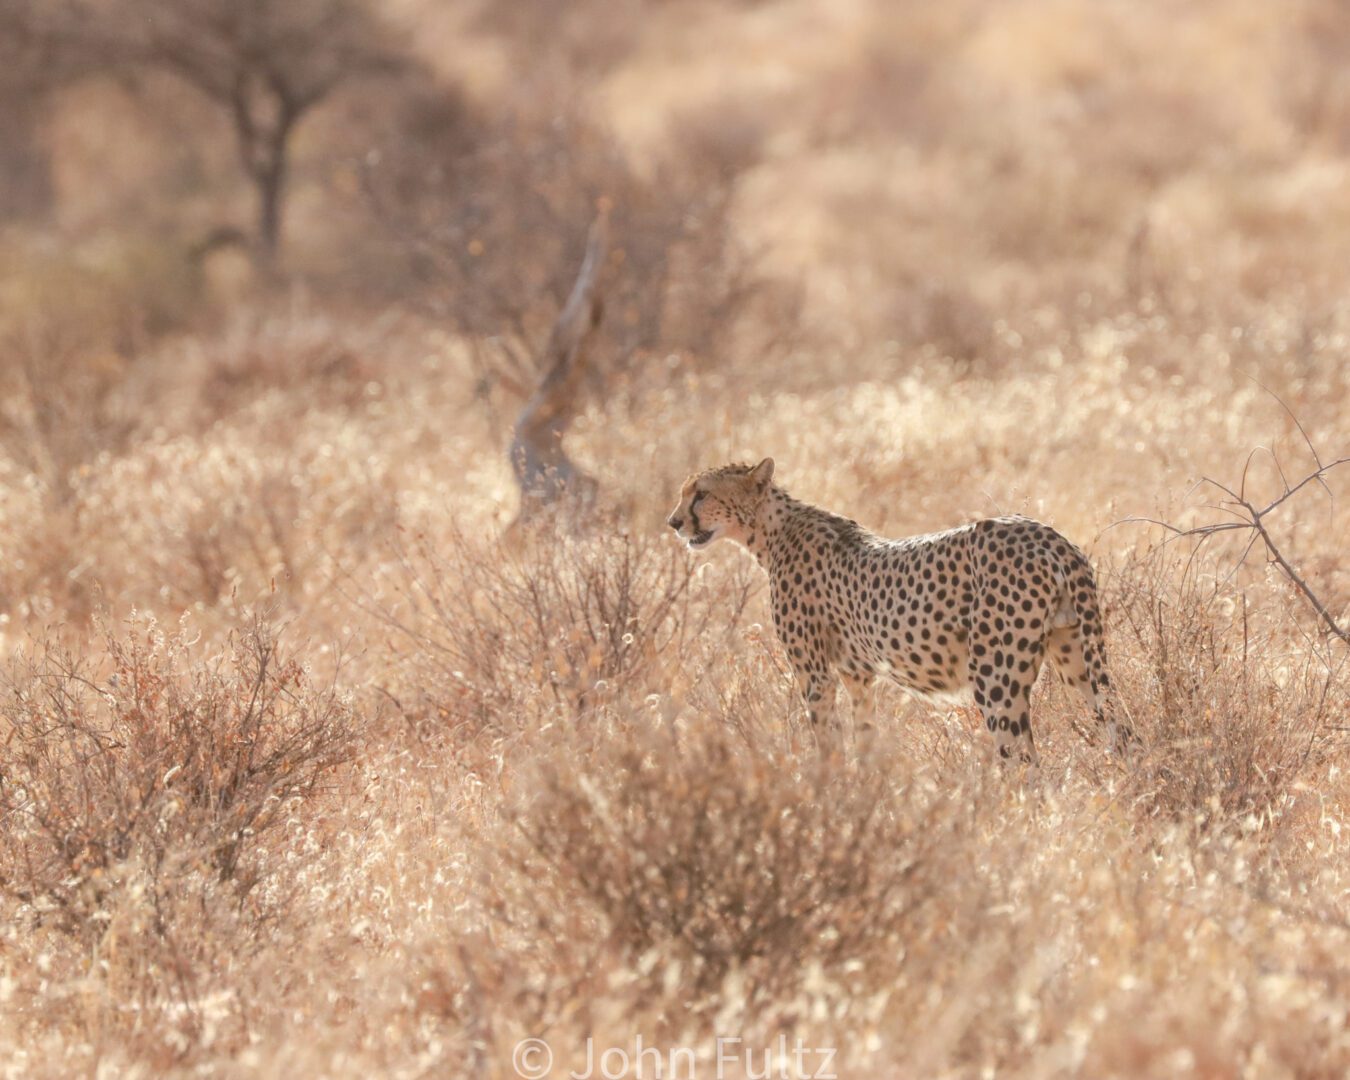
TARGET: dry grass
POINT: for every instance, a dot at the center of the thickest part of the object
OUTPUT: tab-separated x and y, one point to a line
452	791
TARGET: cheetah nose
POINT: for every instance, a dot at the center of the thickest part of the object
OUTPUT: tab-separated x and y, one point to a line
674	522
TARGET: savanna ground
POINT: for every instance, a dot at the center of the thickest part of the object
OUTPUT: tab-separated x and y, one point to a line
305	771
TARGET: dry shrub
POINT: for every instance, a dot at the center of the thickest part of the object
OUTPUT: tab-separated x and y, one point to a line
67	405
299	351
151	771
689	878
211	468
1233	719
64	400
946	319
683	881
254	509
730	855
499	636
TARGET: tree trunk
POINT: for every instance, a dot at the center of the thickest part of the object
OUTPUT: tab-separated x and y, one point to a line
264	148
270	178
25	168
545	474
271	190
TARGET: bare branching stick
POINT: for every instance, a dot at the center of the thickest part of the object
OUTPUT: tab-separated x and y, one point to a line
1251	517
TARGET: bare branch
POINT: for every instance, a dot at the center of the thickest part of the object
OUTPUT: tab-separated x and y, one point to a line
1302	586
1317	460
1319	477
1252	519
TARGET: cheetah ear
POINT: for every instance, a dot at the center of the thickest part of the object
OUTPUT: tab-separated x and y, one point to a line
762	473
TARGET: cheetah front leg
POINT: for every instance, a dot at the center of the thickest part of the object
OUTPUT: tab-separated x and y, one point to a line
862	691
817	689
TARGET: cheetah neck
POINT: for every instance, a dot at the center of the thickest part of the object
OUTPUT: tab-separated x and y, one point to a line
767	524
770	537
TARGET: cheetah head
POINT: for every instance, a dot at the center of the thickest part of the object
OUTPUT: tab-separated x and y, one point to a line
721	503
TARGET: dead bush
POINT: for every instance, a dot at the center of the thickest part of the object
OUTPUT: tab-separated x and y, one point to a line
497	636
727	855
300	352
1232	717
153	770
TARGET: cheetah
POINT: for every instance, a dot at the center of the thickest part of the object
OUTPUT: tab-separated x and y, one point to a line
969	612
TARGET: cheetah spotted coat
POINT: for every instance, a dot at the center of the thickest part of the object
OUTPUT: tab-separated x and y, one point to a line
970	612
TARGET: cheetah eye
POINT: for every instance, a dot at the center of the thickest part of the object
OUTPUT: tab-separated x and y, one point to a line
698	498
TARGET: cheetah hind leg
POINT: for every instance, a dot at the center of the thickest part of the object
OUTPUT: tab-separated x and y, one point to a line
1064	646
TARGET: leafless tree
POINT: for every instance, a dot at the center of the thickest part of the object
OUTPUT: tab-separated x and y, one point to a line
266	63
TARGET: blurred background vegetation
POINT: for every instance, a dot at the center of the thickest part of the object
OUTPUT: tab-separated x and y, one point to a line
206	201
908	172
803	196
